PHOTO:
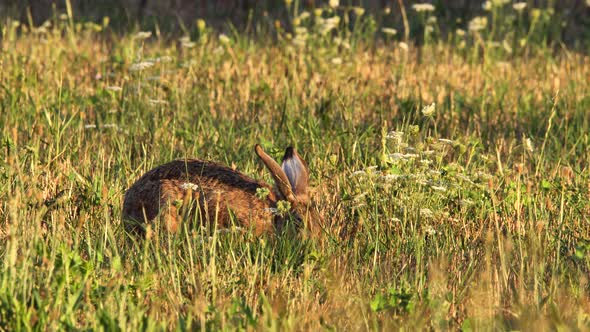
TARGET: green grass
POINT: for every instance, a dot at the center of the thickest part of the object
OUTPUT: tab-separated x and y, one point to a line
474	217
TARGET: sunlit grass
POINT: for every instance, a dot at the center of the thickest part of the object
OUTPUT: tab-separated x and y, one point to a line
453	176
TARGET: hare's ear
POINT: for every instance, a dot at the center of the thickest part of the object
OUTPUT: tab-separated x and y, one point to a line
281	180
296	171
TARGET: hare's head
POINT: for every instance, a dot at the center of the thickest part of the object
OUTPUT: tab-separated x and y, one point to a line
291	180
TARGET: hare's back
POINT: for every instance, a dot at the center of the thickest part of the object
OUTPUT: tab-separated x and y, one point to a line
212	183
203	173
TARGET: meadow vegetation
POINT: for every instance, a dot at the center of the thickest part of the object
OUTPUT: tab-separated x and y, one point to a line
452	170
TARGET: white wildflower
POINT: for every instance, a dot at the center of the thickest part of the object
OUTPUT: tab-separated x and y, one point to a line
114	88
157	101
426	213
478	23
359	11
89	126
466	202
425	162
396	136
110	125
164	58
465	178
337	61
423	182
438	188
141	66
428	110
519	6
143	35
360	172
301	31
224	39
403	46
445	140
329	24
402	156
528	144
423	7
430	230
188	44
191	63
395	219
389	31
391	177
299	40
189	185
506	46
303	15
334	3
484	176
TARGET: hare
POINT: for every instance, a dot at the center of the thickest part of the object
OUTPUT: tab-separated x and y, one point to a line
218	194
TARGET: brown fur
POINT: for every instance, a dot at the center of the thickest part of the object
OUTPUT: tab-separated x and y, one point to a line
220	190
216	195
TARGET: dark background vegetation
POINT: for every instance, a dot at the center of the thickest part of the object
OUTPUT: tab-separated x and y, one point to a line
174	16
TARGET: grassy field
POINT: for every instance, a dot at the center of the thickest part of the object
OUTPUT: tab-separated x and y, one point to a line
453	177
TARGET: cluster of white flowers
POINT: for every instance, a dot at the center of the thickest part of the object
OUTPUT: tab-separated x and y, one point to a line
423	7
157	102
402	156
478	23
142	35
224	39
139	66
185	42
396	136
389	31
429	110
327	24
189	185
519	6
301	36
104	126
426	213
